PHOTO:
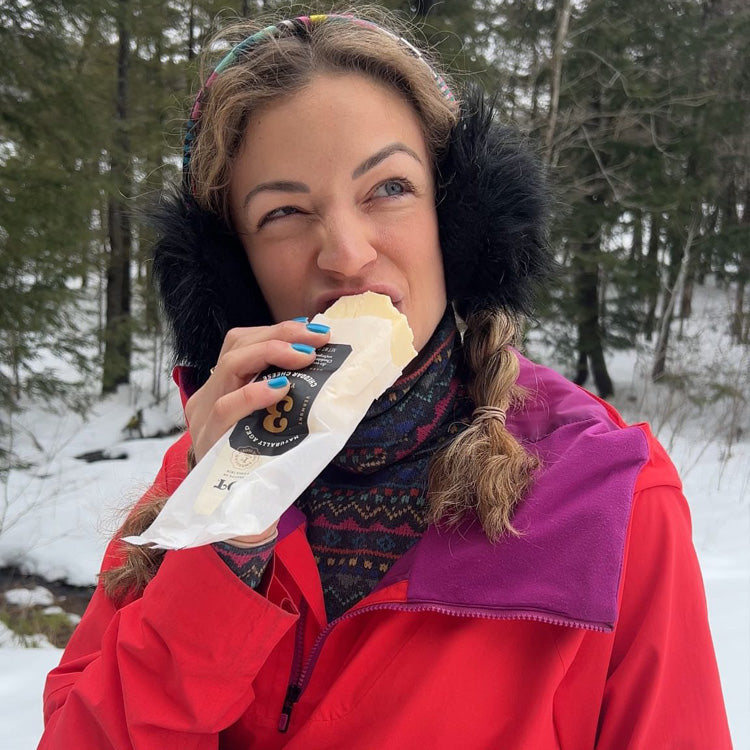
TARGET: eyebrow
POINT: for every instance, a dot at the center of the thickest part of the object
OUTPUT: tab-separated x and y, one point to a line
288	186
382	155
282	186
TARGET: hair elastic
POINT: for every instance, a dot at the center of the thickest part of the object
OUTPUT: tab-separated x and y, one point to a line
489	412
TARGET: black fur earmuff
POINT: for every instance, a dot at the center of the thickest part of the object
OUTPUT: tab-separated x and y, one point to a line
492	214
492	206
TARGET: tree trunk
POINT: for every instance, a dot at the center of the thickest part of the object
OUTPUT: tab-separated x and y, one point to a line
590	349
117	343
662	343
686	301
740	321
652	277
536	87
191	31
561	33
151	310
636	247
740	318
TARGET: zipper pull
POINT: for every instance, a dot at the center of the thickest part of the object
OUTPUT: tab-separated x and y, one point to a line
292	696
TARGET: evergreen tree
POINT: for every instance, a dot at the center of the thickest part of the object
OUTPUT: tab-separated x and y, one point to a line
118	327
46	191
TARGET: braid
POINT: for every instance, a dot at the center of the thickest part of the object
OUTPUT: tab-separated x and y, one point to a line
141	562
485	469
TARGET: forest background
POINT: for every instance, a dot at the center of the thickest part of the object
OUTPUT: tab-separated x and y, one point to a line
640	110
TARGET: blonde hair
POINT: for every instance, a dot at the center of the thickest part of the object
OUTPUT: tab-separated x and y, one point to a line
281	66
484	469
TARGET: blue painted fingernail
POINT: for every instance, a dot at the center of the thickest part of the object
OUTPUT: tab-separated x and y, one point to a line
304	348
318	328
302	319
280	382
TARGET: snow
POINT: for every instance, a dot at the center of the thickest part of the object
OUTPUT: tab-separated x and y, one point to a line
10	640
60	512
30	597
22	675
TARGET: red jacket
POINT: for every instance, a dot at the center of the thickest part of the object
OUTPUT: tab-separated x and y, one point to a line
588	630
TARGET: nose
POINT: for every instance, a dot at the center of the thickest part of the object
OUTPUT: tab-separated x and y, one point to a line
346	248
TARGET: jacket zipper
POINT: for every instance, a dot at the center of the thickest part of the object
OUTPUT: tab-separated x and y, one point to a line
293	691
301	676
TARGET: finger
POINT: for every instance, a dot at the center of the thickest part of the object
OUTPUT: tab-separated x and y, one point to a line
235	367
237	404
291	331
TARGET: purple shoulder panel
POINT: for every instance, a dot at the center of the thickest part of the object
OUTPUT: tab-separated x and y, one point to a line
566	564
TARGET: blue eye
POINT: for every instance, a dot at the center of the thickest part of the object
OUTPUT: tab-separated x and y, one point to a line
391	188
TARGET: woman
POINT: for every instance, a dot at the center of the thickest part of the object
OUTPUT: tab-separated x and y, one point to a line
495	559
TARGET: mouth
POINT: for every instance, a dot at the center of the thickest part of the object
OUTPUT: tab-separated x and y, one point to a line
323	302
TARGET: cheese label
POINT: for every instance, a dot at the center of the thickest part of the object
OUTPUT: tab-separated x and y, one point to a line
280	427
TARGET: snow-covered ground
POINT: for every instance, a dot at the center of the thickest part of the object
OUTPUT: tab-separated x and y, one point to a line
59	513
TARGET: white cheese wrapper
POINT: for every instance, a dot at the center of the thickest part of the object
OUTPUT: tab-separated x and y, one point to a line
264	463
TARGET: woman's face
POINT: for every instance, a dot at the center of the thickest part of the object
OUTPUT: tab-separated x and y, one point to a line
332	194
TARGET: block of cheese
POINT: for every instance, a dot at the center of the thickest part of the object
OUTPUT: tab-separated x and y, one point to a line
379	306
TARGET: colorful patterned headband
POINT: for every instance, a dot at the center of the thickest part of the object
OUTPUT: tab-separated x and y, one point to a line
300	26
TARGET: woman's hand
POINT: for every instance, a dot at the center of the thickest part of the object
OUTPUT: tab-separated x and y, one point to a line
229	395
